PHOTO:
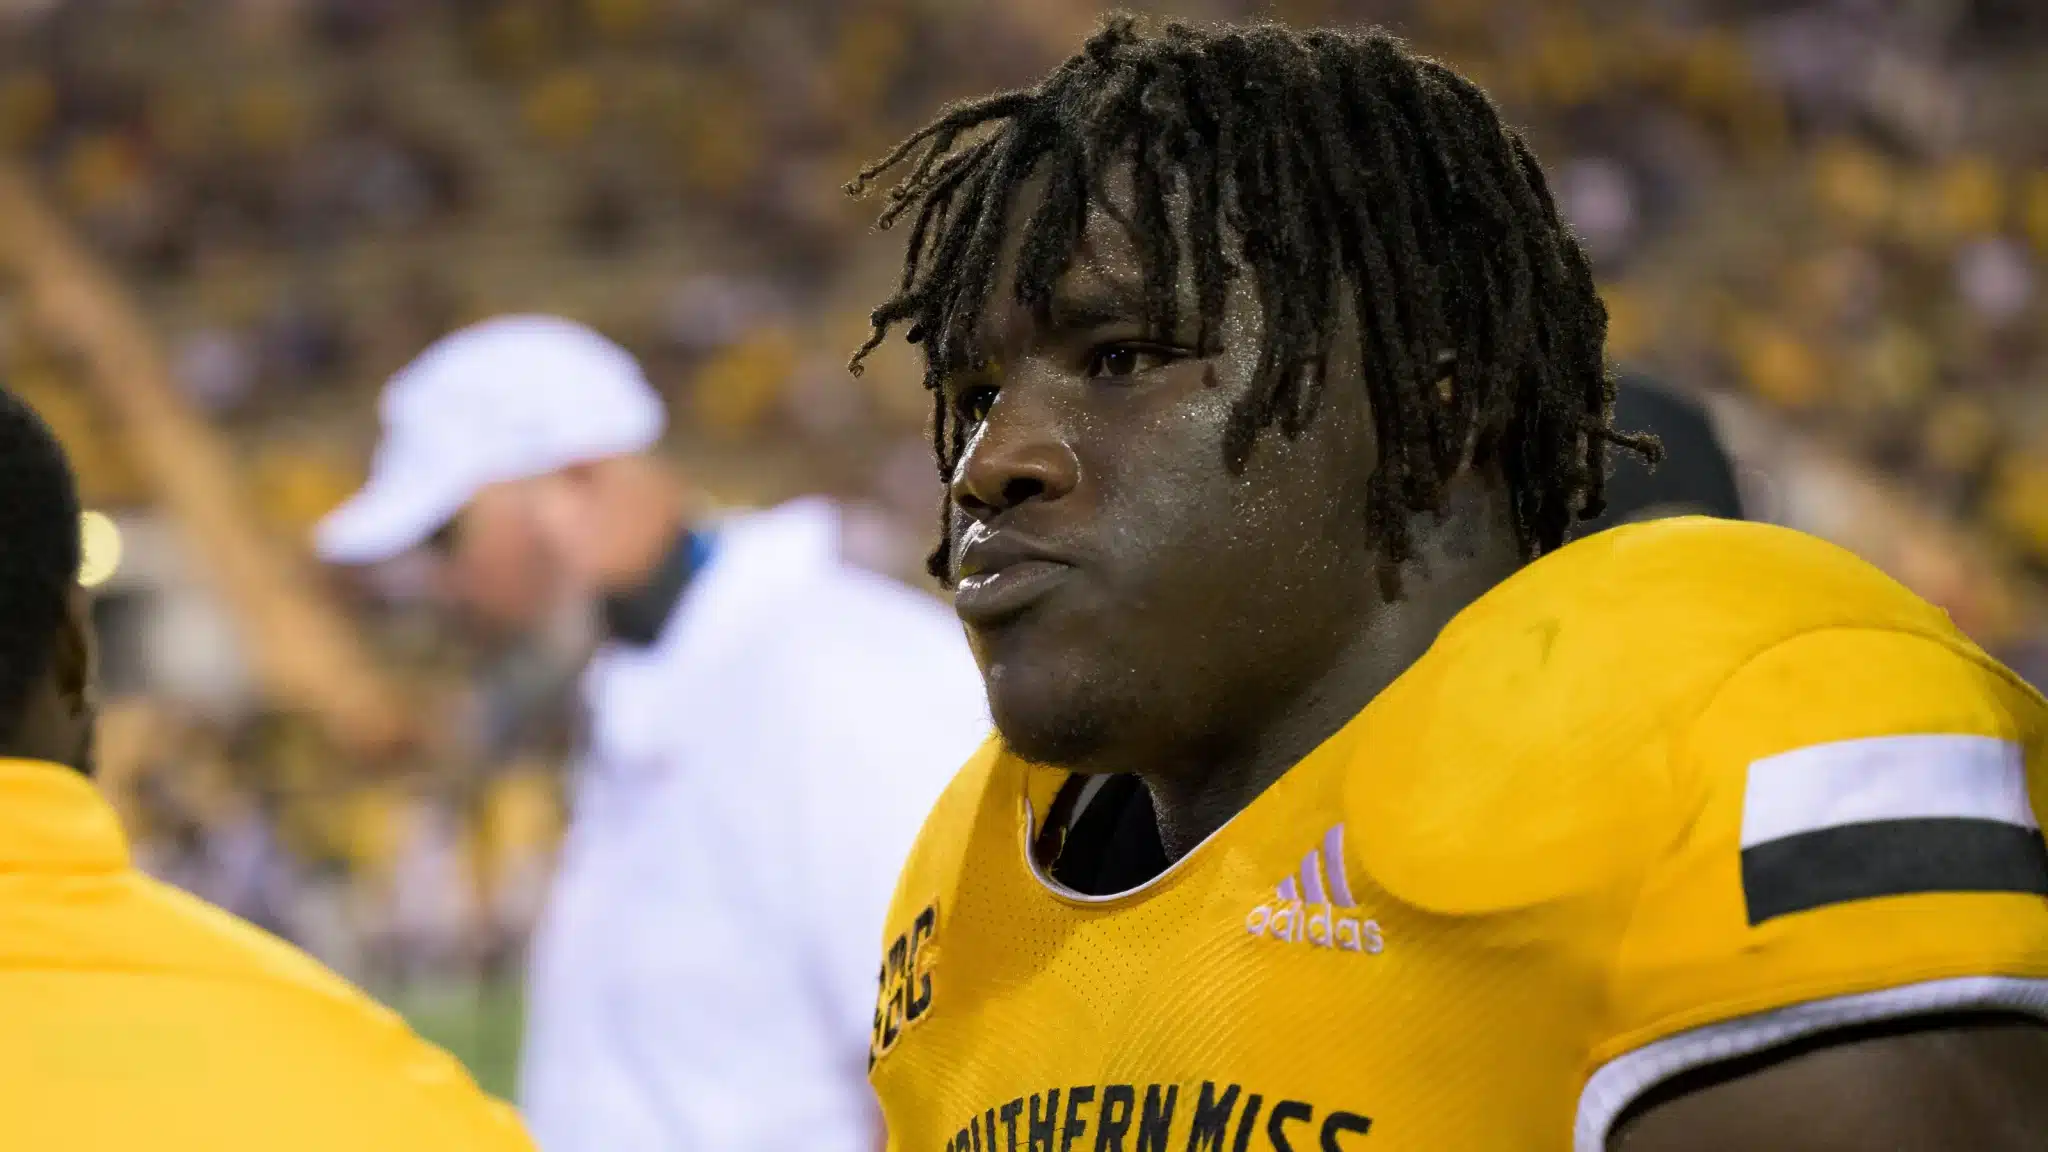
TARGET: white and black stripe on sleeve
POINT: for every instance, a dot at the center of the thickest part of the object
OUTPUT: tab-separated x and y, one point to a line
1888	816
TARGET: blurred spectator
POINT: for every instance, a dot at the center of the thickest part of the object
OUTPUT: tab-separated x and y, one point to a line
1996	279
434	914
764	718
1599	198
303	339
217	368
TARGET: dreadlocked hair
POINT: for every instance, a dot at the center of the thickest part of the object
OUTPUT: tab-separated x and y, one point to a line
1352	173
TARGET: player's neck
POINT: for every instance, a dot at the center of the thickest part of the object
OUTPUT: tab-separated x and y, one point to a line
1456	564
59	743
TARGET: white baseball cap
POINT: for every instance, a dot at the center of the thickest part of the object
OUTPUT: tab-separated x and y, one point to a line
507	399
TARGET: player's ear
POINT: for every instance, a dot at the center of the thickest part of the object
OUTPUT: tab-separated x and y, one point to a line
75	658
74	683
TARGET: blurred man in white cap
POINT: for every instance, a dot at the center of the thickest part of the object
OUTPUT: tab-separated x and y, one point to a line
768	726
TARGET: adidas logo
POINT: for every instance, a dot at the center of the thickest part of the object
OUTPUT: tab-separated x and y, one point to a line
1316	906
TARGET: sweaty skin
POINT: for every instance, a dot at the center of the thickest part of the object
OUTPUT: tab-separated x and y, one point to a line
1966	1084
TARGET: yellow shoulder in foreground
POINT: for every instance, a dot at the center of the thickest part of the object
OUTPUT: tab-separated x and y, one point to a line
140	1017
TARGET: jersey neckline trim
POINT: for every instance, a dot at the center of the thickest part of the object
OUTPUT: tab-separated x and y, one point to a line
1028	833
1337	746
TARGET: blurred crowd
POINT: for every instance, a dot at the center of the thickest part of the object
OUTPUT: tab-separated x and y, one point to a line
1837	209
397	884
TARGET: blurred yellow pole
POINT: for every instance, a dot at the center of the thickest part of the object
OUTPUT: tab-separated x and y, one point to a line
305	653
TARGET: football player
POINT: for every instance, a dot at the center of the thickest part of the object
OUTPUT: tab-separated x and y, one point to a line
137	1016
1337	804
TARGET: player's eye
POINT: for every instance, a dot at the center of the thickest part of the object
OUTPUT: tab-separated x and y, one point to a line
445	538
1118	361
972	403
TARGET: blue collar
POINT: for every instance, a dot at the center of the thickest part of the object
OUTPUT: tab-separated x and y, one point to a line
638	617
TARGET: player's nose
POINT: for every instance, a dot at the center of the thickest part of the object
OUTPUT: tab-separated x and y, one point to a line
1020	453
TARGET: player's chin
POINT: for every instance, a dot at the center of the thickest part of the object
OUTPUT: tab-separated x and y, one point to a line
1046	714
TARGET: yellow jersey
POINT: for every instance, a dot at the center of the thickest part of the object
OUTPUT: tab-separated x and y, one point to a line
140	1017
1673	794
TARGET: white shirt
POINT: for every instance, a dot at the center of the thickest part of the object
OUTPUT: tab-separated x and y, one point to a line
704	976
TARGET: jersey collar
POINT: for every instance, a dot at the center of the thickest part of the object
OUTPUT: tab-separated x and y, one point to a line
54	820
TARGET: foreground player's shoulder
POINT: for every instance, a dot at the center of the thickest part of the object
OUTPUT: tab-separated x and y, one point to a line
310	1042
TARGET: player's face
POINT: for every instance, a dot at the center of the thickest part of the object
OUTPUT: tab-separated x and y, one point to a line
494	567
1126	594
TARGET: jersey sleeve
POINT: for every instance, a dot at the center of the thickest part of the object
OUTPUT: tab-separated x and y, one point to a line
1860	840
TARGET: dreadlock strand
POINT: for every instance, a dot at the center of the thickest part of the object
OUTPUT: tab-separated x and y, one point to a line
1053	233
1406	384
911	302
919	187
1152	174
1375	285
939	147
1205	159
1055	228
952	120
1451	306
958	330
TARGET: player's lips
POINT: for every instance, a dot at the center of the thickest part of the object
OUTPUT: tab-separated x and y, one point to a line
1001	574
